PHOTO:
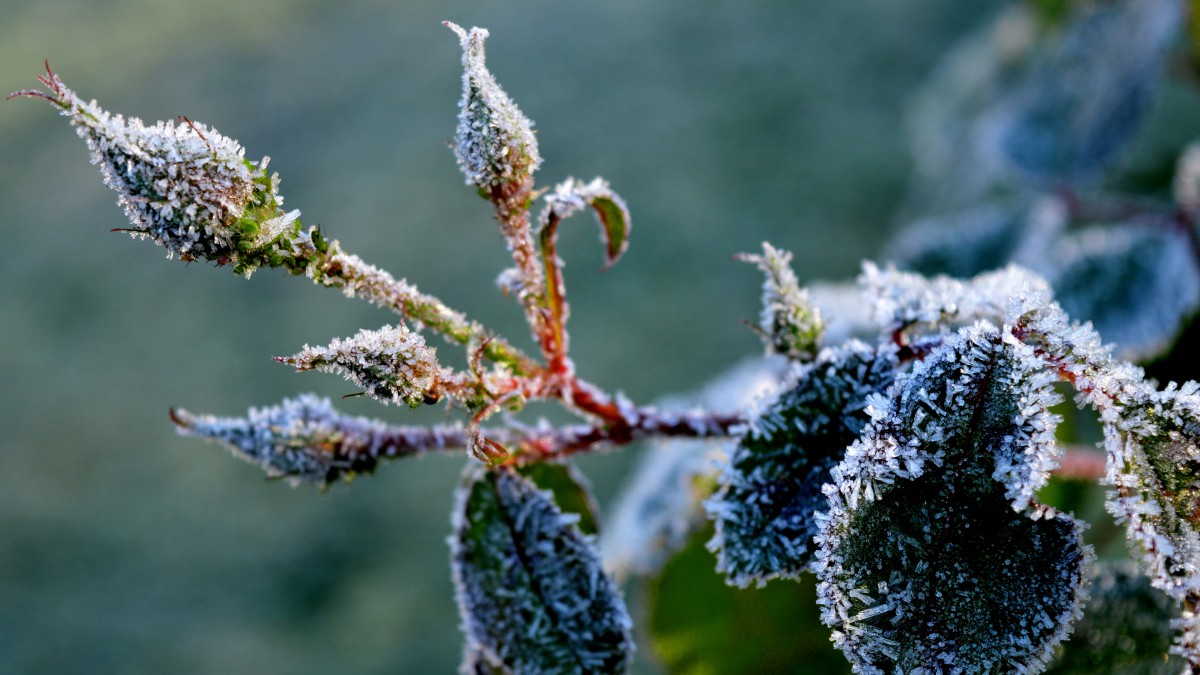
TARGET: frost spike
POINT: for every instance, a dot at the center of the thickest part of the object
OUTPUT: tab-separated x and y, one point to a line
790	324
531	592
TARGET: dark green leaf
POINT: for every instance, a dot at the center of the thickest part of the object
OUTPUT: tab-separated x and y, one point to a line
530	588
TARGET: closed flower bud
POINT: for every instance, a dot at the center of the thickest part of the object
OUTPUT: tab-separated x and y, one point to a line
494	143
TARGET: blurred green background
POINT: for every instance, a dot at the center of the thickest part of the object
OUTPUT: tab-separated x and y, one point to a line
126	549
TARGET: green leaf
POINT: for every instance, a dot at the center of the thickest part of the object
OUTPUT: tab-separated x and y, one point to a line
532	595
570	196
764	511
1154	470
933	550
570	489
699	625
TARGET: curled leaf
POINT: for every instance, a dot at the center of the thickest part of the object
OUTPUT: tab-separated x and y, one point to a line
764	510
570	196
530	588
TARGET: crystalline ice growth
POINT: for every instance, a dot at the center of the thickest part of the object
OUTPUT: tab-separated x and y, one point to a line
494	142
530	588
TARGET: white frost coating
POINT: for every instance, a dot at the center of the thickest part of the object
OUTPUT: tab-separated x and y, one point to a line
572	196
902	299
789	322
494	142
1153	449
306	439
772	484
392	364
531	592
966	439
184	185
659	506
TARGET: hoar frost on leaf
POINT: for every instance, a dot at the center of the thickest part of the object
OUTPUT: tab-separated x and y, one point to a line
306	439
772	485
934	555
494	142
392	364
790	325
571	196
530	588
1153	449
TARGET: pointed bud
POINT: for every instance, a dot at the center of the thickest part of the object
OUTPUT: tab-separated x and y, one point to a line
494	142
184	185
392	365
301	439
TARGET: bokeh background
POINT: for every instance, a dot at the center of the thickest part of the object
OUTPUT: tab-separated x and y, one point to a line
126	549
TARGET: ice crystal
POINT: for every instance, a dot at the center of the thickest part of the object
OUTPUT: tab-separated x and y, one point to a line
530	588
185	186
1126	628
659	508
790	324
772	485
1154	467
901	299
306	439
494	143
1137	283
934	555
392	364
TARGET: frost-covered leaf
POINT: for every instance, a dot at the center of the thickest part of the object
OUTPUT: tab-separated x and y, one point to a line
1154	467
772	486
1023	103
306	439
934	553
660	505
980	238
494	141
571	196
1126	628
901	300
1137	283
790	325
392	364
699	625
530	588
570	489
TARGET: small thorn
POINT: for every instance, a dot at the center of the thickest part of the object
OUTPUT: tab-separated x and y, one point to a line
177	417
354	395
125	229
